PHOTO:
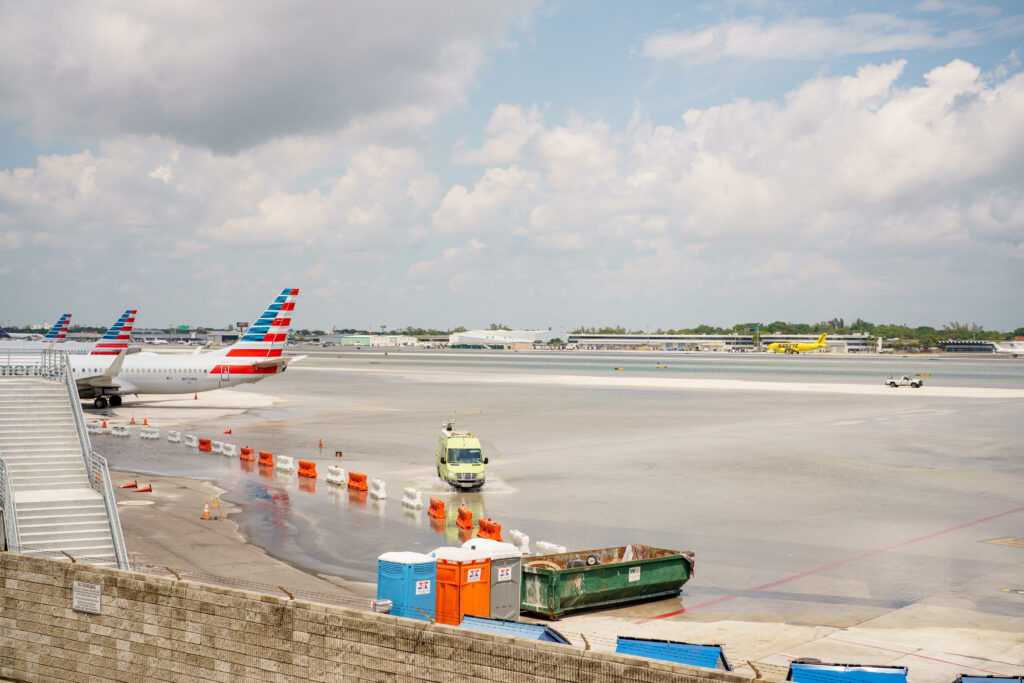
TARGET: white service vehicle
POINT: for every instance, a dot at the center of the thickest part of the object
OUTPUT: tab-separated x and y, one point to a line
904	381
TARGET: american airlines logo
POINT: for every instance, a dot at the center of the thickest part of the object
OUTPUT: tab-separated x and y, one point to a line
30	371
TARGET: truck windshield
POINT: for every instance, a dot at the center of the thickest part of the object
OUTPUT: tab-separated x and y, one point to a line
464	455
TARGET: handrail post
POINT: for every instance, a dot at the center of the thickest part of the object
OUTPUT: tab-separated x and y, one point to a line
10	512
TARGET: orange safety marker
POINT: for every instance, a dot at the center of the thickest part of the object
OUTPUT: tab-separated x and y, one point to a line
226	432
129	485
489	529
307	468
144	489
357	481
246	454
204	445
133	419
436	509
206	511
145	420
104	423
465	520
266	459
321	444
195	396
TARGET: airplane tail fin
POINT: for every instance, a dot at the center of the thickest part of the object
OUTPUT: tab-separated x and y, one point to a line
4	335
821	339
265	338
117	337
59	331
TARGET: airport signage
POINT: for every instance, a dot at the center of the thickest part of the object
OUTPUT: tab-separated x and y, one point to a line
86	597
30	371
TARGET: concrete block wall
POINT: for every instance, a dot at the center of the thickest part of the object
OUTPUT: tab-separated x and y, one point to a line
157	629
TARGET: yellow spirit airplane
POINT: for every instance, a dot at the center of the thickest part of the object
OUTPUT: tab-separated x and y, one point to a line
797	347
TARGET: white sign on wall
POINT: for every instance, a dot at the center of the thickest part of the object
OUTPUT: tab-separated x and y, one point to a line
473	575
634	574
85	597
423	587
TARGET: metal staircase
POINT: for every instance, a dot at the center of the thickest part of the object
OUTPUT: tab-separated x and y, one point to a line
55	493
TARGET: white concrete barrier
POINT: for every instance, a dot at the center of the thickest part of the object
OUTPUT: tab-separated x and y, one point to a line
216	446
377	489
545	548
119	430
336	475
149	433
174	437
192	440
230	449
412	498
94	428
285	464
520	540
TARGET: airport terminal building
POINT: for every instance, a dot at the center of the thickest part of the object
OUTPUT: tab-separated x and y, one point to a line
839	343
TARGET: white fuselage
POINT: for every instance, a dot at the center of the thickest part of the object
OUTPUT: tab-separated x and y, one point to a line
165	373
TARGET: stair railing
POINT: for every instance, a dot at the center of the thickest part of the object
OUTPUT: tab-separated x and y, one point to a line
66	373
99	478
7	506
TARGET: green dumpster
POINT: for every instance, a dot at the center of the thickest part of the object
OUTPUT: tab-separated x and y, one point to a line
555	584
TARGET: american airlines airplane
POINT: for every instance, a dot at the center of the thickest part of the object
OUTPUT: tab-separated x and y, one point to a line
115	339
58	333
255	356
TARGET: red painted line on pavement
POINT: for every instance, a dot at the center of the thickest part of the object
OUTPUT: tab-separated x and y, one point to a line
802	575
914	654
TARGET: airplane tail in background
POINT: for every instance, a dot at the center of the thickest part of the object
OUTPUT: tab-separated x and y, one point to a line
262	344
59	332
117	337
821	339
4	335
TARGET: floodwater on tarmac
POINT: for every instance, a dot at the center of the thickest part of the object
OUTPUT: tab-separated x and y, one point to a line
801	507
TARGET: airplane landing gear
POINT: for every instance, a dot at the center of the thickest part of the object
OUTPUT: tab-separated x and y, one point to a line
115	401
100	402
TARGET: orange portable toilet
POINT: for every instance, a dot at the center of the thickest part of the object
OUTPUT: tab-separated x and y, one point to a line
463	584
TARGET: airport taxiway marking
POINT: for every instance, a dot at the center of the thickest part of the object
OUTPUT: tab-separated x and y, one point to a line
811	572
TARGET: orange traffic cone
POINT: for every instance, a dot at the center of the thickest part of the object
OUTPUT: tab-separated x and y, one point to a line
129	485
321	444
227	431
104	423
144	489
195	396
133	419
145	420
206	511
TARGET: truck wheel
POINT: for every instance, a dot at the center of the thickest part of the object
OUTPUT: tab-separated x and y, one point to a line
916	385
892	384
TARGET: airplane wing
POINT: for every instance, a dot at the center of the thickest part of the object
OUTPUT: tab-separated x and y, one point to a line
107	379
277	362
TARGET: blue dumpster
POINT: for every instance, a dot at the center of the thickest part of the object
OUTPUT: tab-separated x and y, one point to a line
409	581
516	629
708	656
844	673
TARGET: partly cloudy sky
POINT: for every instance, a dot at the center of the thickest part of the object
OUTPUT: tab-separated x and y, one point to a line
657	164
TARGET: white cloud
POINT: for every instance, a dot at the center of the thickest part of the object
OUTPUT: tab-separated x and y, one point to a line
229	76
817	38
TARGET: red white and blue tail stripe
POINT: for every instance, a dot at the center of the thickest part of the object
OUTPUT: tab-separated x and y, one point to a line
59	332
263	342
117	337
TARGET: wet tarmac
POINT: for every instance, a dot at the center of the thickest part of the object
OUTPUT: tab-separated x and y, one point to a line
805	508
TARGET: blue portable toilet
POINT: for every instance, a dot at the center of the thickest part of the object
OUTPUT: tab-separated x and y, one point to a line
409	581
801	672
707	656
515	629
